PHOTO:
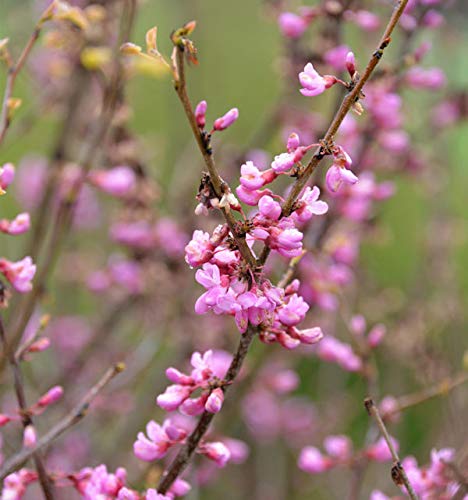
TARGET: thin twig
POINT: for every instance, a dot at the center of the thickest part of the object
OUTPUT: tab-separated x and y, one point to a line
218	183
13	72
26	418
398	472
440	389
69	420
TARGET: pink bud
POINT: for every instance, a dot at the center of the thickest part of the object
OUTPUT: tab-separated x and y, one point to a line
51	396
173	397
312	461
19	225
339	447
215	401
7	175
379	452
117	181
4	419
293	142
351	63
216	451
40	345
29	437
200	114
269	207
292	25
358	324
310	335
376	335
226	120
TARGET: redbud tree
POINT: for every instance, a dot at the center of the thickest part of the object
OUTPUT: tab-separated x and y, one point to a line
188	313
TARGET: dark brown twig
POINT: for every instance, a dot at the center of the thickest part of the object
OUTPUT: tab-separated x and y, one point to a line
398	472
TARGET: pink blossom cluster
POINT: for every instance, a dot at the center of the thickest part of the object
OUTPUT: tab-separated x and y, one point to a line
435	480
271	411
206	375
159	439
21	273
339	452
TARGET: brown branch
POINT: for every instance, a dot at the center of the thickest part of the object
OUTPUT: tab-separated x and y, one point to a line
440	389
218	183
26	419
398	472
69	420
181	461
13	72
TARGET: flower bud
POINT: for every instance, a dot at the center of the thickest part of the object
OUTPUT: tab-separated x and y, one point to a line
29	437
215	401
200	114
226	120
51	396
351	63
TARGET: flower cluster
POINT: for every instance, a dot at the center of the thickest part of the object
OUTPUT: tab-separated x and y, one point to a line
20	274
162	438
435	480
207	373
339	452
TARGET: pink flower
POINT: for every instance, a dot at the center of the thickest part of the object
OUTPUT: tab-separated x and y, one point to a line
20	224
283	162
160	439
249	197
269	208
200	114
216	451
29	437
312	461
337	57
364	19
19	274
336	176
376	335
379	451
137	234
313	83
332	350
251	176
292	25
309	205
118	181
294	311
173	397
309	335
215	401
51	396
226	120
339	447
430	79
199	250
7	175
